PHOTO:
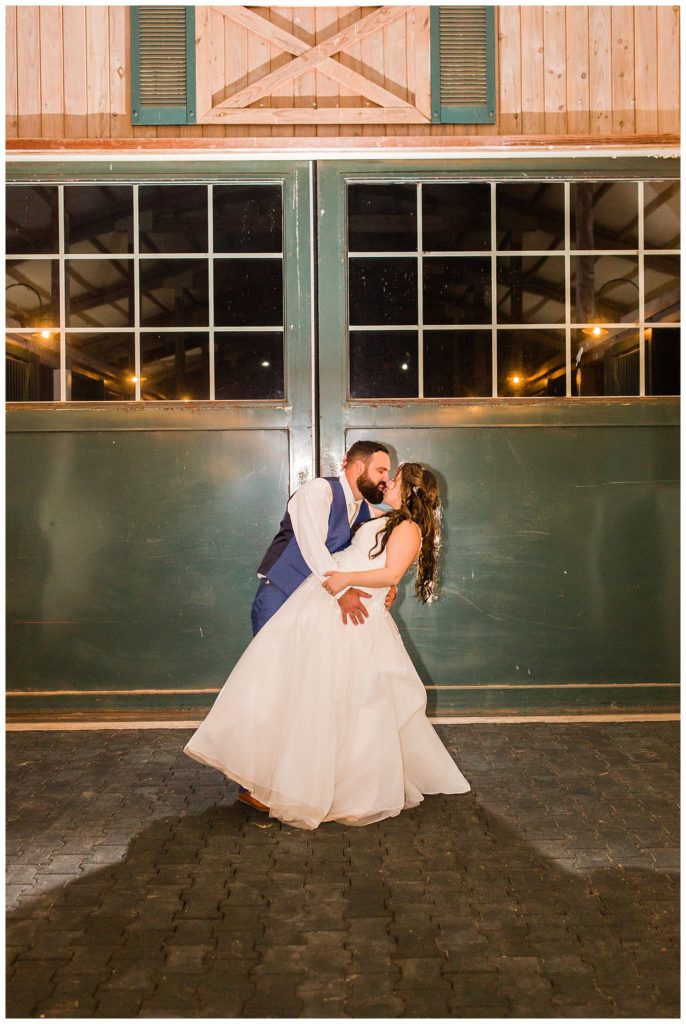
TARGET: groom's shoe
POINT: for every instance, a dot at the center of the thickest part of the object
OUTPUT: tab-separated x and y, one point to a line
246	797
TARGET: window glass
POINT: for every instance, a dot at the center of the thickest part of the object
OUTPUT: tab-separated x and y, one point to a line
604	214
172	218
606	362
156	294
247	218
457	364
382	290
99	293
456	217
248	293
249	365
175	366
604	289
531	362
662	288
531	289
98	218
32	366
383	364
663	367
661	213
174	293
530	215
101	366
32	293
433	295
457	290
32	224
535	286
382	218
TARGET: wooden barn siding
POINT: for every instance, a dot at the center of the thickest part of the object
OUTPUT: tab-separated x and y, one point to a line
595	70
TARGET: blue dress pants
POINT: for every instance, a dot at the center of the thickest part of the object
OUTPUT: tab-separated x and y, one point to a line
268	600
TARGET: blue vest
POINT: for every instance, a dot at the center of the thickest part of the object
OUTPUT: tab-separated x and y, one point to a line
284	565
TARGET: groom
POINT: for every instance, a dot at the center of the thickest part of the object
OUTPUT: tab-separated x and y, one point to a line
318	522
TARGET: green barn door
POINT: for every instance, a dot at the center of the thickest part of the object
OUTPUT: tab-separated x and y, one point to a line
451	330
148	476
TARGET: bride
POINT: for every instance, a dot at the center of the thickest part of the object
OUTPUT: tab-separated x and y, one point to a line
325	723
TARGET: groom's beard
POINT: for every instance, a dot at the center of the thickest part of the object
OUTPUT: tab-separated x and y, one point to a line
371	491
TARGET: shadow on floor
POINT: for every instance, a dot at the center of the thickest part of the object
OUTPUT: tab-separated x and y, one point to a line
443	911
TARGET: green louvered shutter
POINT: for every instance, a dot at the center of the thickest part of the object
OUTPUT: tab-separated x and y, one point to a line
163	65
463	65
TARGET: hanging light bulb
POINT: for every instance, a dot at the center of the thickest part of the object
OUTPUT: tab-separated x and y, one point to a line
594	332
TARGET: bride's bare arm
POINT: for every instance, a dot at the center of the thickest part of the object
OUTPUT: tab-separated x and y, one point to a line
401	551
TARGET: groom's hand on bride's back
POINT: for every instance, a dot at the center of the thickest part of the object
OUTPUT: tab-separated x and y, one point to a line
351	605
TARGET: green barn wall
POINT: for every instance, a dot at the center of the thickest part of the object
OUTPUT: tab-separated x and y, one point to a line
131	558
133	534
559	566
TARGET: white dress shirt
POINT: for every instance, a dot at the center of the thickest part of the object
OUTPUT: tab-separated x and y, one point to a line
309	509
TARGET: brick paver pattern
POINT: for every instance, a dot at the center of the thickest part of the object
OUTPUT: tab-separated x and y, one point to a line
138	887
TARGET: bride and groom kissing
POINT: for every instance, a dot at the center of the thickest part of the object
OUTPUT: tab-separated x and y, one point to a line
320	721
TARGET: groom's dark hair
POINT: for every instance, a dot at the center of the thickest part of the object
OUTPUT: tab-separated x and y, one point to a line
364	450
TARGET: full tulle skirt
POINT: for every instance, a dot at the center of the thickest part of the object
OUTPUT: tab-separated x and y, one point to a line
323	721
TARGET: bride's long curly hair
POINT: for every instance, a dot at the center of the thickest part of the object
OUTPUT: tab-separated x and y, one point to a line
420	502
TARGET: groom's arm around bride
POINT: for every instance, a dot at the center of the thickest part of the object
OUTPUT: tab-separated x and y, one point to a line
318	522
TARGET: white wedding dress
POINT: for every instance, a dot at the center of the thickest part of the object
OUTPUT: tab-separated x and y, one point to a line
323	721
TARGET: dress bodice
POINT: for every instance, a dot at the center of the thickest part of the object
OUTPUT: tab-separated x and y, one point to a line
356	558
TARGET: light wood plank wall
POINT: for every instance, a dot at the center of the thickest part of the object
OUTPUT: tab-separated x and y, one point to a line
594	70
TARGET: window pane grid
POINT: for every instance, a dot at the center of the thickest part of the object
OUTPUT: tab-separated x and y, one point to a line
142	286
480	326
568	293
420	293
497	252
210	285
136	296
62	286
599	278
123	256
494	271
641	293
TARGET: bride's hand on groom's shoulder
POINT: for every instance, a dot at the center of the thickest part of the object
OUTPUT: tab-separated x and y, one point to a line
335	582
